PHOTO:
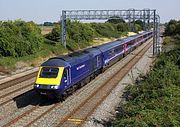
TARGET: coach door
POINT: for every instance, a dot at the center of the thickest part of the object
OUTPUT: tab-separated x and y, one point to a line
69	75
91	63
98	61
125	46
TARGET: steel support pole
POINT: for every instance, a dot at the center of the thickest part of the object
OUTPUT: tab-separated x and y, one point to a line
144	20
63	28
134	27
158	34
148	20
154	31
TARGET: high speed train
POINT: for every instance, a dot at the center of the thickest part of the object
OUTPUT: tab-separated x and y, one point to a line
58	74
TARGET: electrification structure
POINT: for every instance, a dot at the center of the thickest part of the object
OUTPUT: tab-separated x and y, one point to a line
149	17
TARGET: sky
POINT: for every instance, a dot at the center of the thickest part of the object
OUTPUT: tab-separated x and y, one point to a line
41	11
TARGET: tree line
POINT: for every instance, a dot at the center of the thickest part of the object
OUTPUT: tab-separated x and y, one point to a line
84	32
172	28
19	38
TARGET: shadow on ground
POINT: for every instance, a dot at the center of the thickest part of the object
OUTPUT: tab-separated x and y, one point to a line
32	98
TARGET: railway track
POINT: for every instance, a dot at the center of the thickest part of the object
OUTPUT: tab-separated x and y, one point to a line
33	114
7	95
13	82
80	114
15	86
82	111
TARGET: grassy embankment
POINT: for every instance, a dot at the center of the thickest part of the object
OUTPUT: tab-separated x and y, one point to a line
155	100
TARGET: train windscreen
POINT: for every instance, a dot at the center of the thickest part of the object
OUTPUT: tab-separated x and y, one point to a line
48	72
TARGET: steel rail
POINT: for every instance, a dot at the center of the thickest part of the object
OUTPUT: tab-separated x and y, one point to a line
17	80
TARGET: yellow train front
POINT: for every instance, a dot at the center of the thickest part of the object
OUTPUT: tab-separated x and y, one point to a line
52	78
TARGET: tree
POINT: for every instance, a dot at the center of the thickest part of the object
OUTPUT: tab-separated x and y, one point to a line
54	35
19	38
171	28
177	29
137	28
122	27
75	32
140	23
116	20
48	24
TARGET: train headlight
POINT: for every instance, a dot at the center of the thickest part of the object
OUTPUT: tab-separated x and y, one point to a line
55	87
37	85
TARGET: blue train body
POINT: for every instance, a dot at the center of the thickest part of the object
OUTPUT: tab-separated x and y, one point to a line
58	74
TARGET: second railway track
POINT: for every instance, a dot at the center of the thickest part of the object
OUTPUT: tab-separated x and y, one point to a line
14	81
12	92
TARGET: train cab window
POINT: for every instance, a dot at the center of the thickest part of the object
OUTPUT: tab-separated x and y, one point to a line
47	72
65	74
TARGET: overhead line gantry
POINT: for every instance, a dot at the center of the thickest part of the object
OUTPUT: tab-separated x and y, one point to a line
148	16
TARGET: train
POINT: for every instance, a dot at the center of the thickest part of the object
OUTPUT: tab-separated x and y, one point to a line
58	74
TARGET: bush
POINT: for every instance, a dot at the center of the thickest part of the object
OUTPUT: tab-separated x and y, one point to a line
19	38
79	32
155	100
105	29
177	38
76	32
54	35
167	40
122	27
172	28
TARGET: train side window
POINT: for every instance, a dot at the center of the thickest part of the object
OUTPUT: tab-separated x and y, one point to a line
110	53
122	46
65	74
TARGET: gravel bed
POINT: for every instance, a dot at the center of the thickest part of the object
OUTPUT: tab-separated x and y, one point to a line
18	106
106	111
71	102
33	115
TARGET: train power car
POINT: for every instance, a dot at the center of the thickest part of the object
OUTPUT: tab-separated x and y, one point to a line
58	74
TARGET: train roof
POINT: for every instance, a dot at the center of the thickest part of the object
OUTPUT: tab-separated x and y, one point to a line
76	57
67	60
109	45
73	58
128	39
55	62
93	51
